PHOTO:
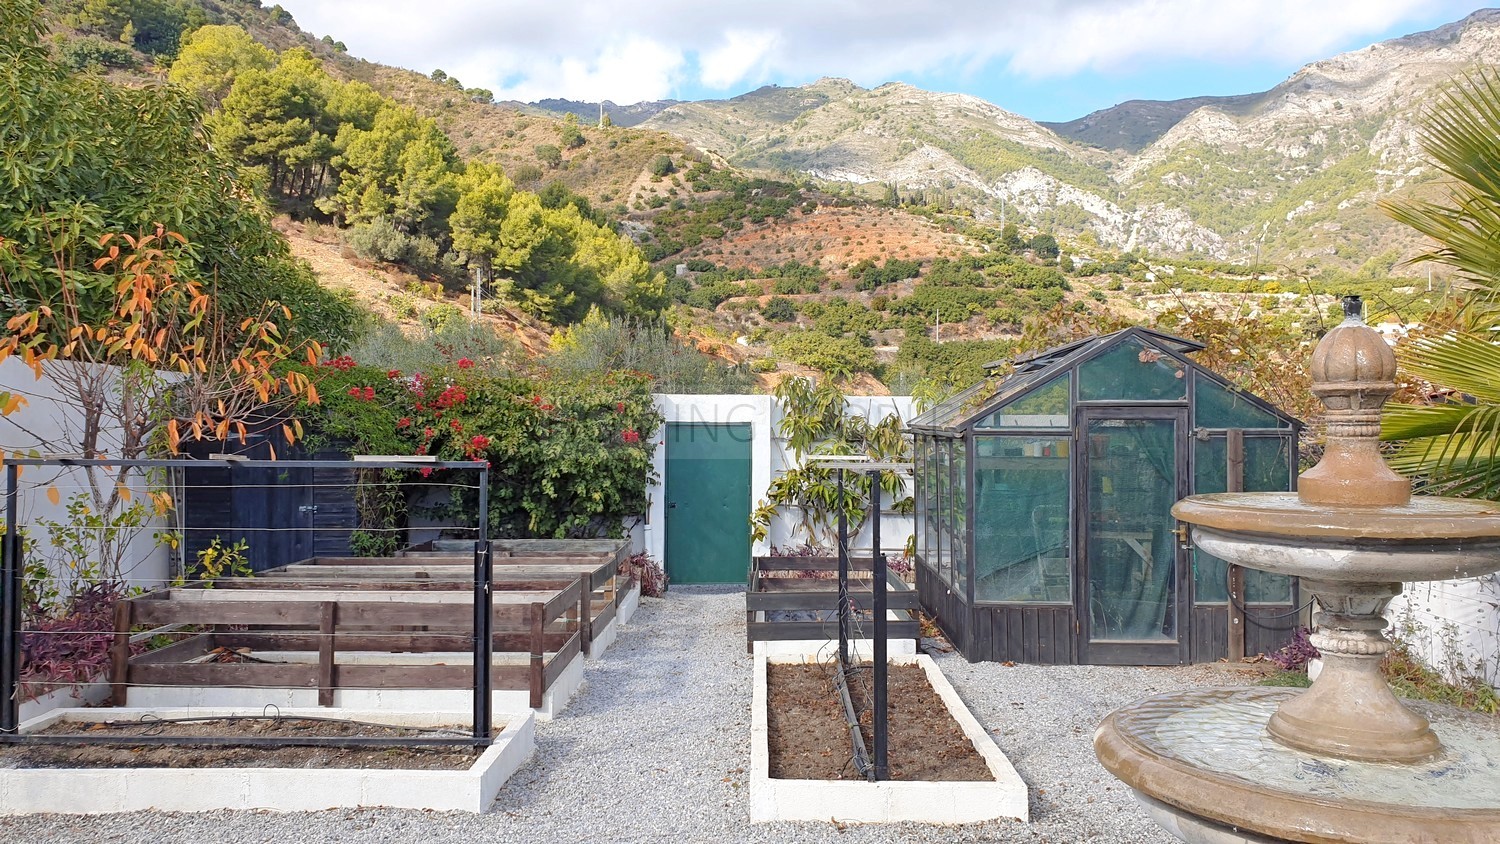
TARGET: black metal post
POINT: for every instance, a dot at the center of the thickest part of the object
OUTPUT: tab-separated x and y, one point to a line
843	575
10	608
484	614
877	566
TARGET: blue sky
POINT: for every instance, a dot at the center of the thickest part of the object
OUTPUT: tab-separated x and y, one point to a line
1045	59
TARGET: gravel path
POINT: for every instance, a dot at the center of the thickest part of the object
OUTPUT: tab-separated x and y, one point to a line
656	748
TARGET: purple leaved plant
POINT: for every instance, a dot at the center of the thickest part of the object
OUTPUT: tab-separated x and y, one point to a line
1294	655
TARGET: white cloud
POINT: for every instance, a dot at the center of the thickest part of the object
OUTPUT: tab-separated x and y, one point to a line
647	49
742	54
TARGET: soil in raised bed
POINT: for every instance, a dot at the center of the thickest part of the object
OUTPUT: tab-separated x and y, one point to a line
123	755
809	737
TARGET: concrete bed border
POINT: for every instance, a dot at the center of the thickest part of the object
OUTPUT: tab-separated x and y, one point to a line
849	801
90	791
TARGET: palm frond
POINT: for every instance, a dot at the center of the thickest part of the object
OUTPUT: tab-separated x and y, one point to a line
1464	362
1412	421
1459	133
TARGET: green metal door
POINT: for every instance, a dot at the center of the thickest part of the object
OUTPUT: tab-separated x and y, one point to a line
708	502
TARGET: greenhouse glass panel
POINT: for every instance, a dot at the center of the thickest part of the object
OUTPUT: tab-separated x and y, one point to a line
1268	468
1021	521
1045	407
960	511
1216	407
1132	559
1132	371
919	497
944	508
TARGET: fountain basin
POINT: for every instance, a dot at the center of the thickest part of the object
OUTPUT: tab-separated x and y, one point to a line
1427	539
1204	761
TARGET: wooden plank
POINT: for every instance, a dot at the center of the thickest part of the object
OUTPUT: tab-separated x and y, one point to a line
537	680
781	631
582	620
119	654
558	662
327	618
181	651
603	618
253	674
1030	635
404	676
177	612
559	603
374	642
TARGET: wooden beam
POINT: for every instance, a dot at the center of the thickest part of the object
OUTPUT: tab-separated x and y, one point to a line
328	616
119	655
537	680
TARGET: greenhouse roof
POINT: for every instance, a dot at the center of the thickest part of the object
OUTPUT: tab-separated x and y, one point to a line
1034	372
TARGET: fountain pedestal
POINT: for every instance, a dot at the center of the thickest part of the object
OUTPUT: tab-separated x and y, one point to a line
1344	761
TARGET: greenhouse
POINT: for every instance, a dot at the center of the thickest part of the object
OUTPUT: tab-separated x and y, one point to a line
1044	532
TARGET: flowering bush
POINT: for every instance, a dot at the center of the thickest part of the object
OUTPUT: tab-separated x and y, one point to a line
568	456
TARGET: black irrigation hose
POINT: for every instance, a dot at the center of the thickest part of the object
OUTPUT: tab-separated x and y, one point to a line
1258	618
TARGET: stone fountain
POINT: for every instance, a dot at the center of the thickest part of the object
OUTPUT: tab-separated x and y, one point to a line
1343	761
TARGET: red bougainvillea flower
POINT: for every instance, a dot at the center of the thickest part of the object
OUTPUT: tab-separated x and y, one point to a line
354	391
479	442
427	473
465	363
342	363
619	407
546	407
428	433
393	374
369	393
536	399
451	396
403	422
456	425
630	436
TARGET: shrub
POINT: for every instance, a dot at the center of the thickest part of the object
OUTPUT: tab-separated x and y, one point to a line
380	240
779	309
402	306
648	572
444	316
600	345
549	155
662	166
92	51
763	365
1294	655
836	356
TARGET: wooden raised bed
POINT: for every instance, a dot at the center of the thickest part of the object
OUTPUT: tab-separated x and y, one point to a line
783	604
543	625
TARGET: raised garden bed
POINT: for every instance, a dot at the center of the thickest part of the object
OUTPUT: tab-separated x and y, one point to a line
807	788
368	647
791	607
100	778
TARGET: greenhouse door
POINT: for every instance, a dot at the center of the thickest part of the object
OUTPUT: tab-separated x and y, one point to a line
1133	468
708	503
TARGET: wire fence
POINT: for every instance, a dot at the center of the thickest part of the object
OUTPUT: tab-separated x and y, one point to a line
306	623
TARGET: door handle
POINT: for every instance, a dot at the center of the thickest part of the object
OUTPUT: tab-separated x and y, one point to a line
1184	538
671	505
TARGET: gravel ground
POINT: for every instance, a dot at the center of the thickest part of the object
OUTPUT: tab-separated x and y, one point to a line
656	748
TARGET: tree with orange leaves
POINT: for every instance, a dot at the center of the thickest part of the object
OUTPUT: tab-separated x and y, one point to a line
163	364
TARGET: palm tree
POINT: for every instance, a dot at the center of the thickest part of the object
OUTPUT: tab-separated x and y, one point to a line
1452	446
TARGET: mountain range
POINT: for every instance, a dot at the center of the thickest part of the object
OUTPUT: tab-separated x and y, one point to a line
1288	175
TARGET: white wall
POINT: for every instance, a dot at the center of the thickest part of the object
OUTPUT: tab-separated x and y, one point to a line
1457	621
45	425
770	457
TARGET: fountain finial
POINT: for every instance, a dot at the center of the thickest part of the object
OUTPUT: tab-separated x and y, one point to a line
1353	373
